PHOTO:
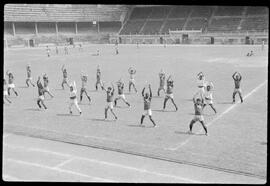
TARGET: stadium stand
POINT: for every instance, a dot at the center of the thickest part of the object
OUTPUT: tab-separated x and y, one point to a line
141	13
110	27
253	11
66	27
224	24
86	28
201	12
180	12
255	24
159	12
196	24
132	27
229	11
46	28
8	30
25	28
173	25
152	27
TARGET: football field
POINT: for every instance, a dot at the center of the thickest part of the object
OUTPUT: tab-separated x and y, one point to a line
237	141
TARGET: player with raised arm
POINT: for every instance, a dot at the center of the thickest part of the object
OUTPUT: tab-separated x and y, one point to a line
147	98
29	76
198	107
237	79
121	95
109	100
83	89
132	72
73	98
46	85
6	92
208	96
169	93
162	80
65	77
98	75
11	84
201	82
40	94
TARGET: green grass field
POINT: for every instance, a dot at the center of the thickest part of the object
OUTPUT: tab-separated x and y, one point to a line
237	134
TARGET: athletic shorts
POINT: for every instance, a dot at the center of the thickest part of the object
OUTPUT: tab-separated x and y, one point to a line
5	93
132	81
110	105
162	87
122	96
11	85
169	96
73	101
65	80
198	118
238	90
41	97
147	112
46	89
208	101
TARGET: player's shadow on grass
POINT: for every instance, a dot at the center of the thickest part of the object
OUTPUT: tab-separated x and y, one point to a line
158	97
24	87
103	120
32	109
188	99
121	107
71	115
225	103
163	110
142	126
187	133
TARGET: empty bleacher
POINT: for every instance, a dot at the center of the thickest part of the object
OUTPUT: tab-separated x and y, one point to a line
196	24
224	24
159	12
229	11
46	28
173	25
86	28
180	12
25	28
8	30
152	27
66	27
141	12
256	10
132	27
201	11
109	27
255	24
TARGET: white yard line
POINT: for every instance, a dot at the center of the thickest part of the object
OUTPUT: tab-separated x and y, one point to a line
57	169
93	161
220	116
7	177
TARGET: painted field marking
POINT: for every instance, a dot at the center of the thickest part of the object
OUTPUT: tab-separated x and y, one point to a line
56	169
72	157
221	115
7	177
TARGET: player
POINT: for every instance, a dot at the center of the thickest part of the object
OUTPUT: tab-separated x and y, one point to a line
66	49
98	82
237	79
6	92
11	84
46	85
40	94
73	98
132	73
56	50
29	77
110	95
65	77
137	44
169	93
121	95
147	98
201	83
198	107
116	48
80	47
83	89
208	97
162	80
262	45
48	51
96	54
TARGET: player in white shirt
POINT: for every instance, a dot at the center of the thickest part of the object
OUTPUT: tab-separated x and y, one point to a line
208	96
6	92
132	72
73	98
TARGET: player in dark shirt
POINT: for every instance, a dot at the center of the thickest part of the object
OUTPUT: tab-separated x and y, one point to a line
110	95
40	94
121	95
237	79
169	93
198	107
147	98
